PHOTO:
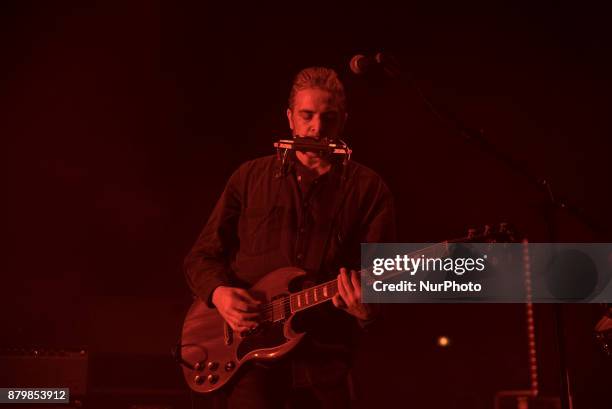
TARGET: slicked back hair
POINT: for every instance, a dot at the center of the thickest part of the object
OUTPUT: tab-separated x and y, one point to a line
321	78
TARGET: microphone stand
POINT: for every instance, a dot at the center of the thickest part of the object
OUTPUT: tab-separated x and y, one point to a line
391	68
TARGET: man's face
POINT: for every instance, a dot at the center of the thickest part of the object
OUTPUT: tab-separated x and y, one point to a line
316	114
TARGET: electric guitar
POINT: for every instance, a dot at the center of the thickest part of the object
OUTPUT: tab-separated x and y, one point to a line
210	352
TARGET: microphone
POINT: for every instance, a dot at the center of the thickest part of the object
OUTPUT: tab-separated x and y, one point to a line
360	64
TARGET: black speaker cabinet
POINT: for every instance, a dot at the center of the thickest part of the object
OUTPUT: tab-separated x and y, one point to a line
44	368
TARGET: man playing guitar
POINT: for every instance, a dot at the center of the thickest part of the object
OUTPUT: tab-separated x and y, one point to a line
311	210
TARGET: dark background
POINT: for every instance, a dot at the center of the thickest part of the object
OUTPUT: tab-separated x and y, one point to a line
121	122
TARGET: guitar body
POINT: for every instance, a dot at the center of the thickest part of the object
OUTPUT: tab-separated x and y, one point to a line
213	352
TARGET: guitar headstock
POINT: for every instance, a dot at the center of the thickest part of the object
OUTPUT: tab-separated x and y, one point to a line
493	233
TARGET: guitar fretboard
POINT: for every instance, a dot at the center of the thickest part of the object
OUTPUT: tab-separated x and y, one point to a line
281	307
313	295
320	293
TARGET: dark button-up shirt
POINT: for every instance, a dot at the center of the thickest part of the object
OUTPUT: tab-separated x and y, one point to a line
265	220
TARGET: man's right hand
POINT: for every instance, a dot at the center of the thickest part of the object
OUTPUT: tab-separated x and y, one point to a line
239	309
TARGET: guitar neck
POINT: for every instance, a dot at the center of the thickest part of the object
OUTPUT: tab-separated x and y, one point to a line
312	296
321	293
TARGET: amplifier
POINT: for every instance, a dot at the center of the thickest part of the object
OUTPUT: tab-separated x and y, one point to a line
44	368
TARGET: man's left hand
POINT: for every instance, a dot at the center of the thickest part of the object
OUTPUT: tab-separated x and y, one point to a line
349	295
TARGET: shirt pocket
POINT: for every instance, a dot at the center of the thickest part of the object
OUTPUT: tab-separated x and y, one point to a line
260	229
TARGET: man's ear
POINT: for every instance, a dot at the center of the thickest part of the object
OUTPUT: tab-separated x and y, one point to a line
290	118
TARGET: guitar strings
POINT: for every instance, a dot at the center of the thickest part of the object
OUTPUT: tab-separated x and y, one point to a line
269	308
332	285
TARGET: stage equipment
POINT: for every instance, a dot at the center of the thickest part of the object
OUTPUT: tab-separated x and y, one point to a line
211	352
552	201
337	148
45	368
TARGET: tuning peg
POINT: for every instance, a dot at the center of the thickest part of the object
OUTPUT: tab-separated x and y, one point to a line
471	233
487	230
